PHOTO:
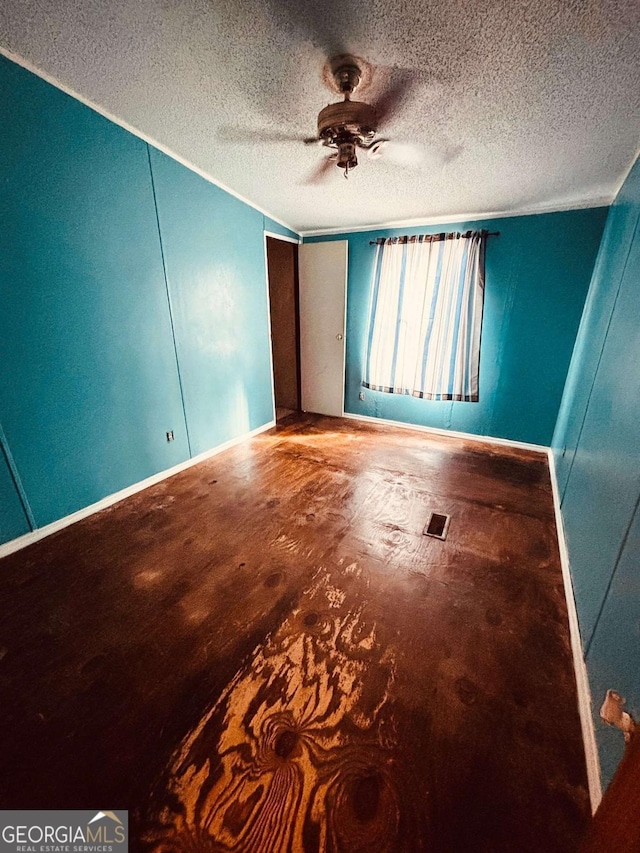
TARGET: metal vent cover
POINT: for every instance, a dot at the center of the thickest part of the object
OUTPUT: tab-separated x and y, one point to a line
437	525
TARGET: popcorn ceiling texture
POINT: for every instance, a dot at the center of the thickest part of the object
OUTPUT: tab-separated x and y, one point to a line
518	105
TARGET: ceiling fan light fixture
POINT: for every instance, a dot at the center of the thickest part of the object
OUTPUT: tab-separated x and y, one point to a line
347	157
376	149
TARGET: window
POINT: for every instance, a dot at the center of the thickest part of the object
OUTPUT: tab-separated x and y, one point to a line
425	320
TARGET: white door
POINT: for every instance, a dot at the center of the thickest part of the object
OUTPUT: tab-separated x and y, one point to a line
322	272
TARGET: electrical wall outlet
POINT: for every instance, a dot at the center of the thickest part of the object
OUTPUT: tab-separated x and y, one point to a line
170	435
361	395
612	713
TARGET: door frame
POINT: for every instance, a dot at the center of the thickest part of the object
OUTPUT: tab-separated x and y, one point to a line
297	242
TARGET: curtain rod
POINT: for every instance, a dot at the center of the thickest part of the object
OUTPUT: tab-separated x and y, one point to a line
432	237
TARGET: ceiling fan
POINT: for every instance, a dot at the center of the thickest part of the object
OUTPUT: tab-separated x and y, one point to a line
350	125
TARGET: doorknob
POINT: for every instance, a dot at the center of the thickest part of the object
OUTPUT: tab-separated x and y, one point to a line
338	337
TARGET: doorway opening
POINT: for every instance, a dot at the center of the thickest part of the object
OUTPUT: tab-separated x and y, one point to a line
282	273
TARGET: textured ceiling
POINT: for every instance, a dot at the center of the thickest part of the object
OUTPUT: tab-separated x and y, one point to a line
518	105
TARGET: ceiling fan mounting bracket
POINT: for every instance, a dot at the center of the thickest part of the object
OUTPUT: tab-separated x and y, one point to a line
344	72
347	77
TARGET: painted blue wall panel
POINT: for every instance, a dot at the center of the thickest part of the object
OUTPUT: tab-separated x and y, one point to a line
614	654
13	519
610	265
599	424
605	477
89	384
538	274
214	254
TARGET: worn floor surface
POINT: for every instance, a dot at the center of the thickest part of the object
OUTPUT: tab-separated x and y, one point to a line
264	653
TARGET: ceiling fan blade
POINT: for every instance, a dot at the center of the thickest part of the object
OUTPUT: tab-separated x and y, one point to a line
248	136
411	155
401	82
398	153
321	171
329	26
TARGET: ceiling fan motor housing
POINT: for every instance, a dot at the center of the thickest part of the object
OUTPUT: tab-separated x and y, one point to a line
345	119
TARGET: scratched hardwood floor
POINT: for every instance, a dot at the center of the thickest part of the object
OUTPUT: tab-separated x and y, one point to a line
265	654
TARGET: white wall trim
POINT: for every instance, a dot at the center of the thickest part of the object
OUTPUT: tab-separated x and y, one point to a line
49	78
487	439
603	201
344	330
42	532
271	365
579	665
282	237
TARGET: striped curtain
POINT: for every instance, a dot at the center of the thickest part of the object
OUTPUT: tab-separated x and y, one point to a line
425	319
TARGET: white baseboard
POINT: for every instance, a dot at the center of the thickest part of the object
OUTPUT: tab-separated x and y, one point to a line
579	665
41	532
468	436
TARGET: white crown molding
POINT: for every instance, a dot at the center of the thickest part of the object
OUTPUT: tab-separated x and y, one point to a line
49	78
460	217
580	668
42	532
282	237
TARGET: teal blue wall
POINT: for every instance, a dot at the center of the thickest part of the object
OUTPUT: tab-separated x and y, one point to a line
13	517
91	379
537	276
213	248
88	385
596	447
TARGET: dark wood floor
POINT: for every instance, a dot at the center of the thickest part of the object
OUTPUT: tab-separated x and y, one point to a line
264	653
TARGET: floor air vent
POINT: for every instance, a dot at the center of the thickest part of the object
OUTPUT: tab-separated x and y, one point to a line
437	526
